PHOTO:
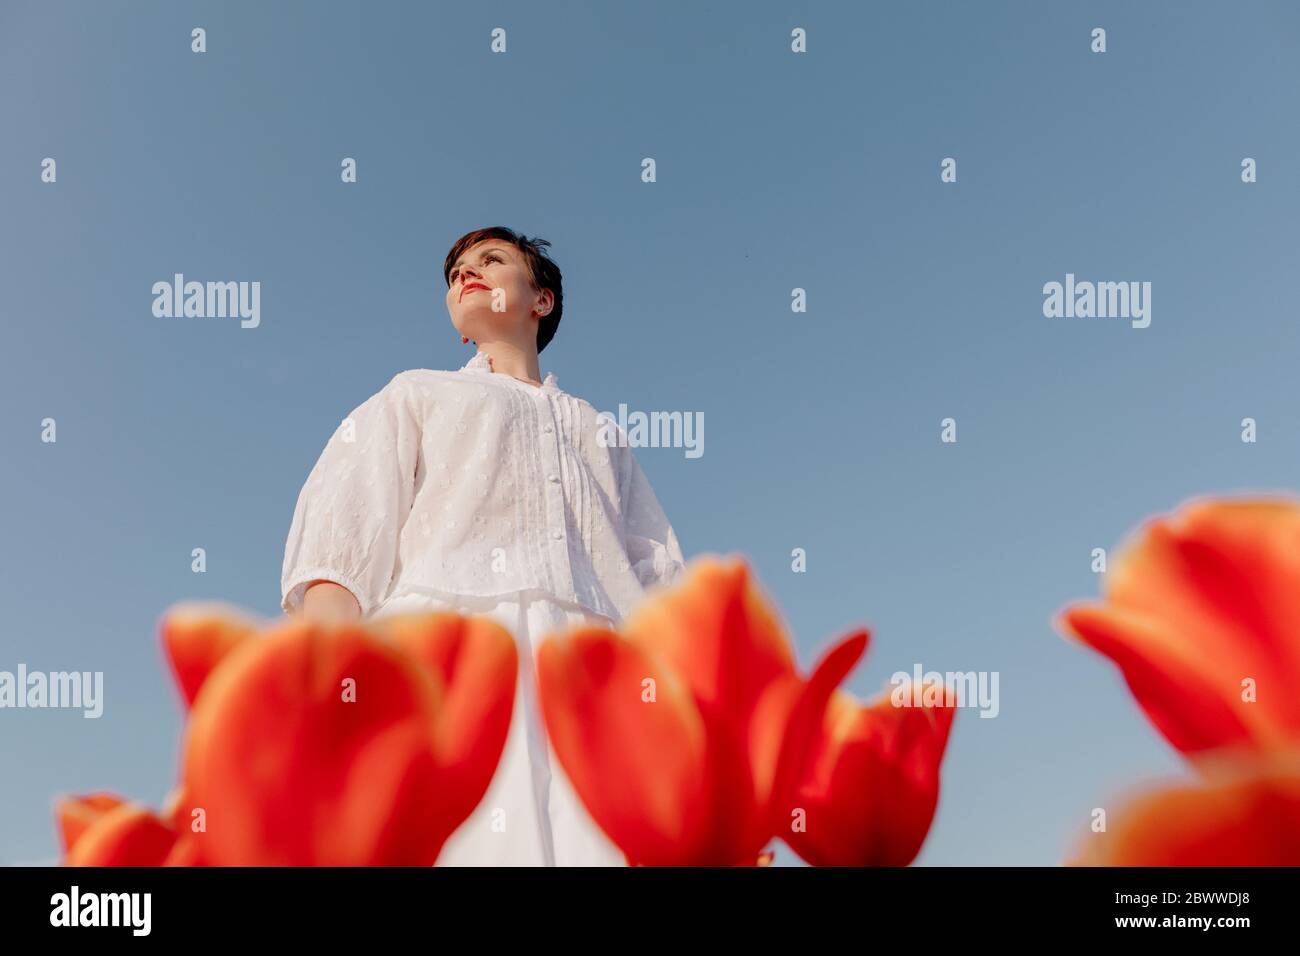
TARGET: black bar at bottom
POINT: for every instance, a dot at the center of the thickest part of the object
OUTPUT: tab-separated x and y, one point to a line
331	905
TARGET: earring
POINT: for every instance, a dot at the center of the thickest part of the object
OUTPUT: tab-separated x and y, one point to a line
464	339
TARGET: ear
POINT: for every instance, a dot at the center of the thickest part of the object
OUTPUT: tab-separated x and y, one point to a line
546	302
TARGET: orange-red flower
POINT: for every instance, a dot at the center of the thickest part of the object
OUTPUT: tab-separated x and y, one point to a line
101	829
1202	616
318	744
870	784
1243	812
684	735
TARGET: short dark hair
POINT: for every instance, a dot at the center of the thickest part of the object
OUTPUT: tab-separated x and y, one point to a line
544	273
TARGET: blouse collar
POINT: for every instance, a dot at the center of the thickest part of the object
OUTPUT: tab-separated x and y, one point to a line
479	364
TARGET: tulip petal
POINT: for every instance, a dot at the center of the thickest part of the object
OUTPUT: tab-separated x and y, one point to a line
1242	813
78	814
638	760
1195	709
1197	604
475	661
719	633
185	852
804	717
871	784
290	770
197	636
127	835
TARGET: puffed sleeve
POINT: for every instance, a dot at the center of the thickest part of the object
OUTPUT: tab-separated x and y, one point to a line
351	509
651	543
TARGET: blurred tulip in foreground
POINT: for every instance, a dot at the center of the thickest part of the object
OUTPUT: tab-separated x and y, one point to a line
316	744
1244	812
1201	613
687	732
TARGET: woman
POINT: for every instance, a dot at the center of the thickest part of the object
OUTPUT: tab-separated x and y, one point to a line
487	491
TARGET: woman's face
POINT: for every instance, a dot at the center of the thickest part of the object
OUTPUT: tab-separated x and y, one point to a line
493	272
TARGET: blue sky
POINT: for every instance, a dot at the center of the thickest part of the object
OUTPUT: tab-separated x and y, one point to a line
775	171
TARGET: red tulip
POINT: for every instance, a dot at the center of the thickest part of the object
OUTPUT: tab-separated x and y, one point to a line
1243	812
684	733
316	744
870	785
102	829
196	638
324	745
1202	615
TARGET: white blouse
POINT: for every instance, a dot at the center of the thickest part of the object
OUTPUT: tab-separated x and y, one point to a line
476	483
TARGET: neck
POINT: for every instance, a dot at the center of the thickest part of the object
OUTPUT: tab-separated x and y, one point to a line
511	359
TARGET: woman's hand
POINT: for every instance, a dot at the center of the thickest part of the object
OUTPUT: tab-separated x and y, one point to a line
327	601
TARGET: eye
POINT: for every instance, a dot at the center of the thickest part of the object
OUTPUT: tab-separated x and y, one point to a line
487	258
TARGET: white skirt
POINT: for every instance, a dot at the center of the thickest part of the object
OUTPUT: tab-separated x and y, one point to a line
530	814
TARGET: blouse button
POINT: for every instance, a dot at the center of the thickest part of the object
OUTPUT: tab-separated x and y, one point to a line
553	478
557	535
547	428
